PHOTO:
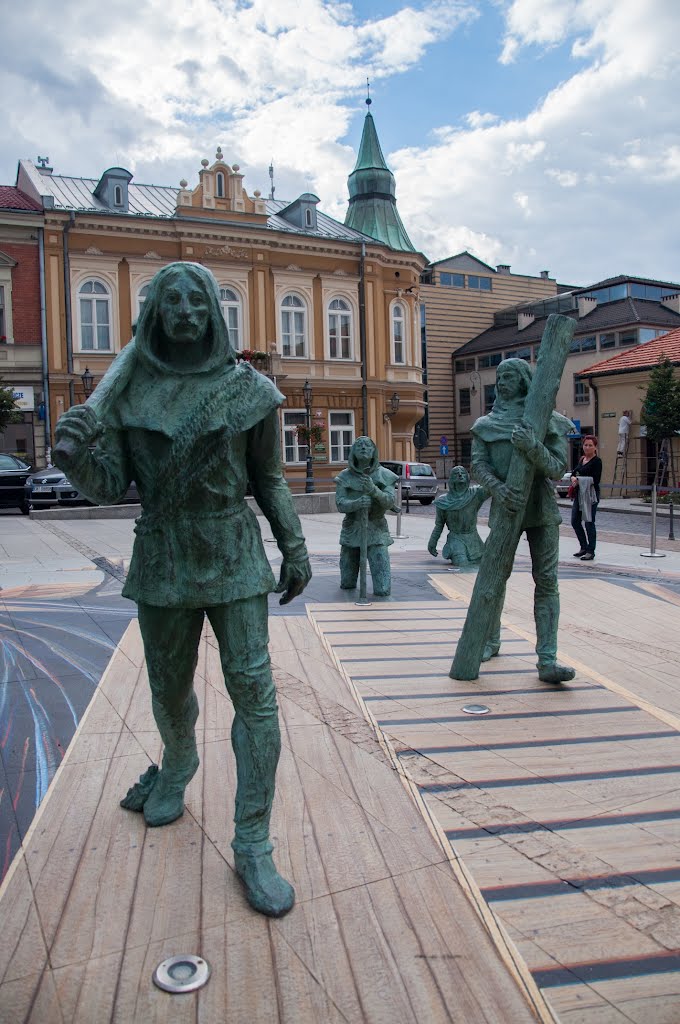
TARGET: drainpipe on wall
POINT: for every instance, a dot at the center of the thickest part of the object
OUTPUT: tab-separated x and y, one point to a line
43	341
362	341
596	425
67	308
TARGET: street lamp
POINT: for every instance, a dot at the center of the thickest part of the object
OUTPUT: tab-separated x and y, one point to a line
393	407
87	379
476	385
307	395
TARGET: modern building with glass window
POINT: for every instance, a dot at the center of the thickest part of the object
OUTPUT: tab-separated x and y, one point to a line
305	297
612	315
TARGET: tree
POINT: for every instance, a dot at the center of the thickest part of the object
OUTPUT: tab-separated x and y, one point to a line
9	412
661	409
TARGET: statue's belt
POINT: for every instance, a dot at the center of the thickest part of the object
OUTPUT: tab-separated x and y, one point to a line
160	519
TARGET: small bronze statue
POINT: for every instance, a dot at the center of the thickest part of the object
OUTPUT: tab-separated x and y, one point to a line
178	415
457	511
364	491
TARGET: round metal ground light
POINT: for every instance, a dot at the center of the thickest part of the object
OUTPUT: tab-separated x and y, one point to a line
476	709
180	974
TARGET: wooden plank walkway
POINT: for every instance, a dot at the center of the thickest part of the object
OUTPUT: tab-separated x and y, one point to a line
385	928
563	803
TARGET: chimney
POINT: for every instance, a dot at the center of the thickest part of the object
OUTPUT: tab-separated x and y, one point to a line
585	305
43	165
524	319
503	268
672	302
545	274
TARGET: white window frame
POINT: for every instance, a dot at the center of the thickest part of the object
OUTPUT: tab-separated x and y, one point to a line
335	318
93	298
234	305
396	343
289	436
118	195
339	445
220	193
285	312
7	329
4	318
141	299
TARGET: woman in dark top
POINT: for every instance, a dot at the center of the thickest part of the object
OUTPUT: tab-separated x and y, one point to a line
590	464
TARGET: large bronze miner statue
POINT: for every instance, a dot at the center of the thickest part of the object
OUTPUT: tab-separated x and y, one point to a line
516	451
192	428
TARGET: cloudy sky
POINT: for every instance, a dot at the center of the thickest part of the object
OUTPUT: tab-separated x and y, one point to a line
540	133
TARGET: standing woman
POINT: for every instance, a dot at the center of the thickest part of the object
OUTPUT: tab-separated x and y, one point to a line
586	498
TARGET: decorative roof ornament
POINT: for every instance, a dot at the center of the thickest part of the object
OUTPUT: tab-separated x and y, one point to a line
368	100
218	154
271	178
372	201
204	162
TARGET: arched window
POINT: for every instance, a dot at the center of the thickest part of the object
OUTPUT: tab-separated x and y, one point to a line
309	220
220	185
231	311
117	195
398	324
95	317
340	329
142	296
293	327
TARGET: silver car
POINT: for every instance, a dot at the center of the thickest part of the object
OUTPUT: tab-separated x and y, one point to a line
418	480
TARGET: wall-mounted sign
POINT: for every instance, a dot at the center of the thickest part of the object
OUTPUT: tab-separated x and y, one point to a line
24	398
608	415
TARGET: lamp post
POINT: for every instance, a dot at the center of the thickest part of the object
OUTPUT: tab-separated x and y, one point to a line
392	407
307	395
87	379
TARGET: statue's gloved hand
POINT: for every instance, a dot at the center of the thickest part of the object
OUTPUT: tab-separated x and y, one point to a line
510	499
366	485
432	548
295	575
76	429
523	438
363	502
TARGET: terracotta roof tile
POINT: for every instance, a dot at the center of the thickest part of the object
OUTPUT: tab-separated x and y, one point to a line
641	357
12	198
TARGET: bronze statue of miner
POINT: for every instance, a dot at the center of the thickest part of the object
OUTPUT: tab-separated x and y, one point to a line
193	428
494	438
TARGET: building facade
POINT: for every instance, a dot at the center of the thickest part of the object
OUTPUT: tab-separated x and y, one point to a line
21	327
309	299
611	315
458	298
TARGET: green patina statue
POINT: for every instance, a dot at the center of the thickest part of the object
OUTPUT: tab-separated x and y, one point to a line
364	491
508	457
193	429
457	511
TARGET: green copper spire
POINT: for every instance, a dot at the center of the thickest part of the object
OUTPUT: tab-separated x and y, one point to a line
372	203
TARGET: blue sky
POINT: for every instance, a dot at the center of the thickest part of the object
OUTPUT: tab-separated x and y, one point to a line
539	133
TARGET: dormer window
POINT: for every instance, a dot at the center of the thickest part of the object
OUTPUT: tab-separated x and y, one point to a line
117	196
219	186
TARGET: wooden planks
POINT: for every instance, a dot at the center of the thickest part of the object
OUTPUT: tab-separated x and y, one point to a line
381	931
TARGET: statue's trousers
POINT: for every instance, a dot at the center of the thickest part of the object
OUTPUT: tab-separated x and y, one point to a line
171	637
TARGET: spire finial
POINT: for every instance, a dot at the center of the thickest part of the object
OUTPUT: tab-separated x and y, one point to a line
271	178
368	93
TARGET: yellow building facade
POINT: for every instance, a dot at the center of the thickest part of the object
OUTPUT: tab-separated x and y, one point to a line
308	298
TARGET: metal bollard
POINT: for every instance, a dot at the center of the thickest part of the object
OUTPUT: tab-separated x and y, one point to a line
399	507
653	553
671	535
408	494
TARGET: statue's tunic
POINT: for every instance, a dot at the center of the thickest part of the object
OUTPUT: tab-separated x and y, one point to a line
458	513
192	441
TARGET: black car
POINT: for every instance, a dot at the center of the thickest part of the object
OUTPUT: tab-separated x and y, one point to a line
13	476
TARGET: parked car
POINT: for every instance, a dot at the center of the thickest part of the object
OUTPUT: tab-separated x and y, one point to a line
562	486
13	476
418	480
52	487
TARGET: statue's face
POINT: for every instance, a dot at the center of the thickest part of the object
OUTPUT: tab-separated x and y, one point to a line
459	478
363	451
184	309
508	382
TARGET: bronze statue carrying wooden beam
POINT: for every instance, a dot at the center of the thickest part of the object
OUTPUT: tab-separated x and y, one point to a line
516	451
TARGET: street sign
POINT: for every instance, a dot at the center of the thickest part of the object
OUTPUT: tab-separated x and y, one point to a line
576	431
443	439
443	449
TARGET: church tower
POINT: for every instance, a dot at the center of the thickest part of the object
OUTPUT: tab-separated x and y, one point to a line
372	202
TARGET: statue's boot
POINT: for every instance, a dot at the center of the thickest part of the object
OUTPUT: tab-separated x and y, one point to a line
165	802
349	567
381	575
266	891
256	739
547	616
491	649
